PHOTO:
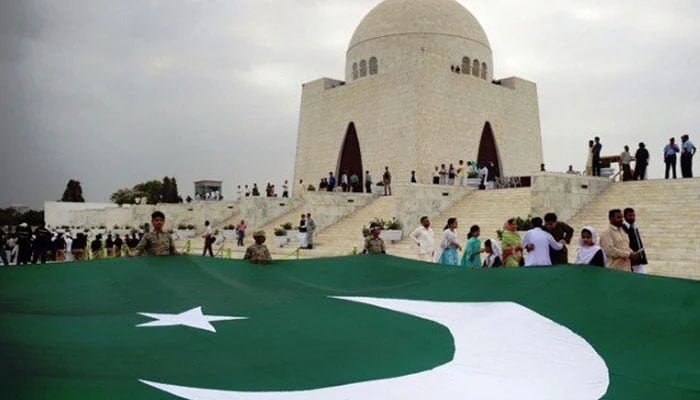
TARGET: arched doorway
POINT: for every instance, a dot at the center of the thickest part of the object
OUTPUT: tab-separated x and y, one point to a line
350	156
487	149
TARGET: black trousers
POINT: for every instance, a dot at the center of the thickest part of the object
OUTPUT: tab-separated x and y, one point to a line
670	164
368	187
208	242
687	165
640	171
596	165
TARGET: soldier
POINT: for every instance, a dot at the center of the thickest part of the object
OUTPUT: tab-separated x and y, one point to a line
157	242
374	244
42	242
258	253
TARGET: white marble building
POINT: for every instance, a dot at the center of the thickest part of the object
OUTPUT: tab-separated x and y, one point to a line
404	105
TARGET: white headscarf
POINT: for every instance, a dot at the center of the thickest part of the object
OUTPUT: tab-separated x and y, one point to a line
495	252
585	254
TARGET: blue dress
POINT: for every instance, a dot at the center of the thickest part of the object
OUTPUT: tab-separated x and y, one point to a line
472	257
449	254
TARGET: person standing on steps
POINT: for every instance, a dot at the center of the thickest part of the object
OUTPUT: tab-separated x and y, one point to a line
670	151
386	179
687	152
638	260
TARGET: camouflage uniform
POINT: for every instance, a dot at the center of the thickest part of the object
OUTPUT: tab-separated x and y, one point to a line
156	244
257	253
374	245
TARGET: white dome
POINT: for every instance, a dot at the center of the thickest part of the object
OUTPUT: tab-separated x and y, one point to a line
405	17
394	34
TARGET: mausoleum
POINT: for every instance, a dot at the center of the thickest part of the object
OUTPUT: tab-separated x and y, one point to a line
419	91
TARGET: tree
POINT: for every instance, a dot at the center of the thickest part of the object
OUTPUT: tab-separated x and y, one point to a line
124	196
73	192
152	190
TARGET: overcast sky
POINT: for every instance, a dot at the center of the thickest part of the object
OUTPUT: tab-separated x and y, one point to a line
113	93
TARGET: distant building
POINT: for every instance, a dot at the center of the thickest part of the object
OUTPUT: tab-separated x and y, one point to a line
418	92
201	188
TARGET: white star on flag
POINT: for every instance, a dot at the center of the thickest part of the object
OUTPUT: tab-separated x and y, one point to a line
192	318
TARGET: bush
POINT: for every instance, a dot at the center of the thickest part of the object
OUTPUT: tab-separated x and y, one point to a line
523	224
190	226
394	224
280	232
287	226
230	227
365	231
181	226
311	188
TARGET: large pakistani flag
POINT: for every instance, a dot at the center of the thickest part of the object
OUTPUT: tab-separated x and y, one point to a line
362	328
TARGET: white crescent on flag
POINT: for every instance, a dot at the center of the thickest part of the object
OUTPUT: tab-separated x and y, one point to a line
503	351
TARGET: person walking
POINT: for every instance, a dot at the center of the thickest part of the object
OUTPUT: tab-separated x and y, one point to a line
640	166
462	173
449	245
472	249
687	152
208	239
240	233
638	260
42	243
670	151
424	238
597	147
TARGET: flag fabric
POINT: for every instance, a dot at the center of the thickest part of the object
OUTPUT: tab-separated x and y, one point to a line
359	327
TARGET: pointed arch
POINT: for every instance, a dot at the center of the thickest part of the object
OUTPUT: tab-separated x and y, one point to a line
488	152
475	68
351	156
466	65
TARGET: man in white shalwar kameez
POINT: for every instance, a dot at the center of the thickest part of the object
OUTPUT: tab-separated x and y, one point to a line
537	242
424	238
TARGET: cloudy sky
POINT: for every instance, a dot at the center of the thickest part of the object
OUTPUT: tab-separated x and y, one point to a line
113	93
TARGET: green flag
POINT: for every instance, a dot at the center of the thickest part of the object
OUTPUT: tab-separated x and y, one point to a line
362	327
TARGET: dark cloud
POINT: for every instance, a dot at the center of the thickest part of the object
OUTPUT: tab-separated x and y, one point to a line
113	93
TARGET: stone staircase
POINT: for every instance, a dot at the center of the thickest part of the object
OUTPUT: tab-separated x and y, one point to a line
667	216
487	208
345	235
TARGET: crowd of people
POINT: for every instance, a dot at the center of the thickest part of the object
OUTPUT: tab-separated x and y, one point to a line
41	245
545	243
641	158
350	182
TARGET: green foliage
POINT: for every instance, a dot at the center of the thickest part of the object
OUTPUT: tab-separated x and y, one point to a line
154	191
181	226
73	192
11	217
523	224
190	226
280	232
287	226
230	227
311	188
392	224
365	231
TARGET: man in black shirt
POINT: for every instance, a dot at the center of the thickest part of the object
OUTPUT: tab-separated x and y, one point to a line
42	242
118	243
640	167
597	147
639	257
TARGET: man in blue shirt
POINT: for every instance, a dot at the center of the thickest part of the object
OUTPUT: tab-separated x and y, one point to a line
687	152
596	156
331	182
670	151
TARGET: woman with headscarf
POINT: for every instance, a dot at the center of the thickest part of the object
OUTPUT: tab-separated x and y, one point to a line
472	250
493	251
449	245
589	251
512	245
